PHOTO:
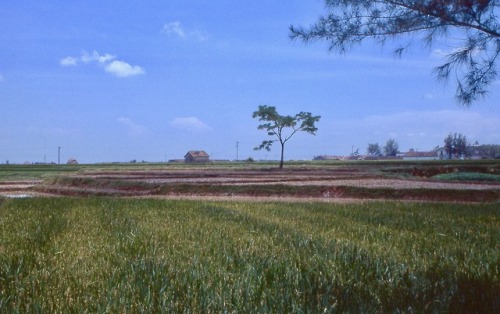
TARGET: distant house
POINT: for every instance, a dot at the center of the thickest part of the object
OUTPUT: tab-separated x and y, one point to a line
414	155
441	153
196	156
72	161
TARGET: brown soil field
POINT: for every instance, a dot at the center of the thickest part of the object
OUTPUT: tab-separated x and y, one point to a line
332	184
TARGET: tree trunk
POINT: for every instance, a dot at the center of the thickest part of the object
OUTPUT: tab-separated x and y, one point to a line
282	155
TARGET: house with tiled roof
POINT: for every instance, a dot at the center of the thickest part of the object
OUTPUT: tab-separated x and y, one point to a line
196	156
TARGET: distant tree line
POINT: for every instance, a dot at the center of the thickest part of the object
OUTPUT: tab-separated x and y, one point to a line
455	146
391	148
488	151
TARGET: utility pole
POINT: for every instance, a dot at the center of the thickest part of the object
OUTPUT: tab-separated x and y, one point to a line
59	158
237	151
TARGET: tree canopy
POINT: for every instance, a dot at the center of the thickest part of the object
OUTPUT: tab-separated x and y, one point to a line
276	124
373	150
473	22
391	148
455	145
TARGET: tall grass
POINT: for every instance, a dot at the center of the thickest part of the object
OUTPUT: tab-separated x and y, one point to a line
115	255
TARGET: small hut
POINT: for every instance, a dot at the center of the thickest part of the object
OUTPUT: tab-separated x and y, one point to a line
196	156
72	161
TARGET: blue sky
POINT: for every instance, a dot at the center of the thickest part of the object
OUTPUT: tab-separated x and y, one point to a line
114	81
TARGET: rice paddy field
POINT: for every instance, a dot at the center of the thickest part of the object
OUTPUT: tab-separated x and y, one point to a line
104	254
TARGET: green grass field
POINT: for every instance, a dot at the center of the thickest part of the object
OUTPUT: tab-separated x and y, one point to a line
131	255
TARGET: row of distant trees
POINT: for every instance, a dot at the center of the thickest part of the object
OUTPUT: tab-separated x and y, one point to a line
455	145
483	151
391	148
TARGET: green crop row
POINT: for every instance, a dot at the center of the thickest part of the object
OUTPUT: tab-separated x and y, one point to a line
468	176
119	255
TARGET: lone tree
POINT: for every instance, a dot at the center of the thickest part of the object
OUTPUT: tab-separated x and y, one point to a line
472	58
276	124
391	148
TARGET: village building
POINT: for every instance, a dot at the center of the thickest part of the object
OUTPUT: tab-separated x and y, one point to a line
432	155
72	161
196	156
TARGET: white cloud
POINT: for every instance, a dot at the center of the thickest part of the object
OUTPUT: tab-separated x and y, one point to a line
190	124
107	61
123	69
176	29
69	61
86	57
133	128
